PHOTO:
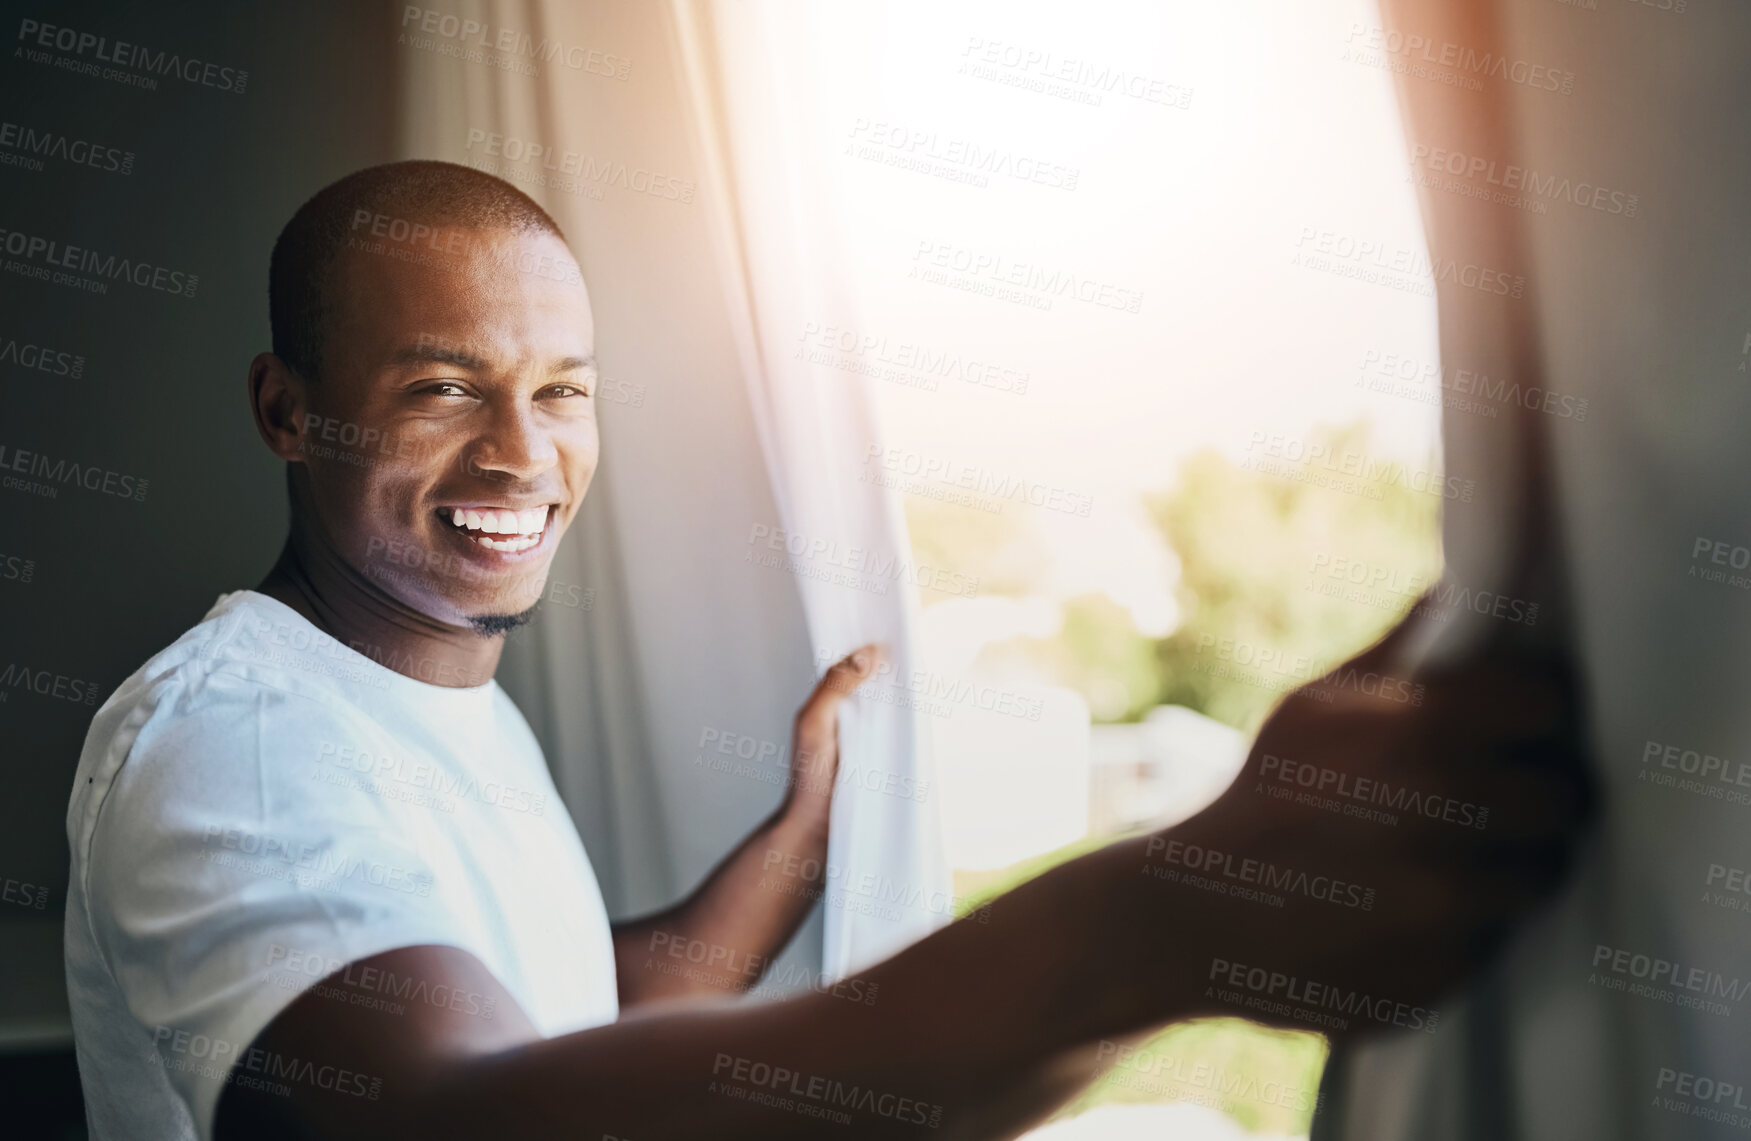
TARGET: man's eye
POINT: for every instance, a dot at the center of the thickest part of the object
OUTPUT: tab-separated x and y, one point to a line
568	390
445	388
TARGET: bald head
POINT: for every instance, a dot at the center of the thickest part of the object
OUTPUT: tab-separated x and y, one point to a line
396	201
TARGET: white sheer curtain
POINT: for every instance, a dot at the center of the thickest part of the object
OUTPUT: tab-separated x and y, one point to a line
715	441
889	882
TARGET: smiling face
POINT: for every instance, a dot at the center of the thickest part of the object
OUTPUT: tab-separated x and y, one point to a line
452	435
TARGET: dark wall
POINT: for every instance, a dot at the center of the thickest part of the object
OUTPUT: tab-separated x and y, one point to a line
142	384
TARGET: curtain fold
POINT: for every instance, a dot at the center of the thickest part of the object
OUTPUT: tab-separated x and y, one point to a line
888	879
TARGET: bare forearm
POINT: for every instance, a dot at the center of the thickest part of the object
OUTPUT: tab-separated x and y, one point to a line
979	1030
721	939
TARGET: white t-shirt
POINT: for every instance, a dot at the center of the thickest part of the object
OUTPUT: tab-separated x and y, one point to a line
258	806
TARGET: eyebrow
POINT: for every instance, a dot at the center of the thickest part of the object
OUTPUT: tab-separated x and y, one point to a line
437	354
567	364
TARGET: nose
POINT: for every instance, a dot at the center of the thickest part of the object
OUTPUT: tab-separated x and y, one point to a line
515	446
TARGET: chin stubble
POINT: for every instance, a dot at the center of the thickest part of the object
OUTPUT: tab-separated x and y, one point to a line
493	625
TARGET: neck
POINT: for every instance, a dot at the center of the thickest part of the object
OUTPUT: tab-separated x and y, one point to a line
314	580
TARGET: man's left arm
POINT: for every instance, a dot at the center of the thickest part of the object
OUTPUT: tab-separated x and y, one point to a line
721	938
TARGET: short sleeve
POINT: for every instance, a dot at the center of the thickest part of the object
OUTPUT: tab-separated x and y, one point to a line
227	871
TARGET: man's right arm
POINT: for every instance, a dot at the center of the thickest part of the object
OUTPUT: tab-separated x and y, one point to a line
987	1025
975	1032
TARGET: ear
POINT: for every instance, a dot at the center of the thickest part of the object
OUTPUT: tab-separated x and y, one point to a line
279	401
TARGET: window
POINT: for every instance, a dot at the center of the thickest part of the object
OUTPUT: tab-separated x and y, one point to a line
1141	297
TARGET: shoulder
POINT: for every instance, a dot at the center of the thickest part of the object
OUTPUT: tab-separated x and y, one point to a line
216	728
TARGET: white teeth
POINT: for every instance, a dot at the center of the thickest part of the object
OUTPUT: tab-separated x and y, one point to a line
513	545
523	529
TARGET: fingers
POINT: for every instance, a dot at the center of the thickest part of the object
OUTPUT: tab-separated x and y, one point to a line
1487	755
820	713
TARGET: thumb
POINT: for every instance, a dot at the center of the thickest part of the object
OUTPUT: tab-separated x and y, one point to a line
820	713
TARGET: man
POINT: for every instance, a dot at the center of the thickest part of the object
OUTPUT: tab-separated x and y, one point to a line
276	929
